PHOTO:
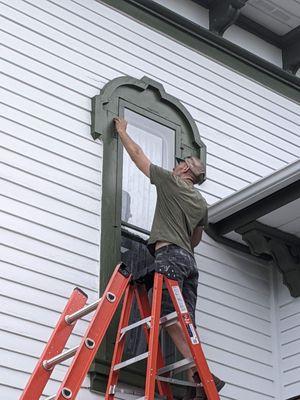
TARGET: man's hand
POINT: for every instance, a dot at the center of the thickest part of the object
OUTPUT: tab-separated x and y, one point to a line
196	236
120	124
133	149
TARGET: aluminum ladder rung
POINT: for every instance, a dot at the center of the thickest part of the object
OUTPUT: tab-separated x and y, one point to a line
166	320
155	398
51	397
135	324
177	381
177	367
49	364
82	312
131	361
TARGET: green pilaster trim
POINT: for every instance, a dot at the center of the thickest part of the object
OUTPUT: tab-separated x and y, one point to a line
210	44
148	98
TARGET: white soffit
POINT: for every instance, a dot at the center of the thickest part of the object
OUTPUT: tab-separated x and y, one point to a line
285	218
254	192
188	9
234	236
279	16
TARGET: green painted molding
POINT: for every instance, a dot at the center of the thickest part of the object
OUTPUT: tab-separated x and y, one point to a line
210	44
148	98
281	246
223	14
117	88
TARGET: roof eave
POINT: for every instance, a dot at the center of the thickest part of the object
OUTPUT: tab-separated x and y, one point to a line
255	192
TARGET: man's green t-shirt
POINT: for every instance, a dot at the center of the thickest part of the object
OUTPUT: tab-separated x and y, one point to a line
179	209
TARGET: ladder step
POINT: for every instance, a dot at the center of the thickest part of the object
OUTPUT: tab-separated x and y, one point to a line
168	319
82	312
155	398
49	364
131	361
135	324
177	381
51	397
177	367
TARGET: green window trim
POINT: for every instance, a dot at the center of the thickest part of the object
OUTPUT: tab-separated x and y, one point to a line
149	99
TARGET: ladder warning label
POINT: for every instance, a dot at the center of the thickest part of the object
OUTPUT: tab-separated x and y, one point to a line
192	333
179	299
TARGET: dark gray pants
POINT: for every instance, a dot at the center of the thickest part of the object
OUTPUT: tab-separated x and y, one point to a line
185	267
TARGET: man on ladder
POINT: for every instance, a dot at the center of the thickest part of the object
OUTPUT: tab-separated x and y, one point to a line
180	215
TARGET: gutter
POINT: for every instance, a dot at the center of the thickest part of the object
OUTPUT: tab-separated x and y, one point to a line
254	192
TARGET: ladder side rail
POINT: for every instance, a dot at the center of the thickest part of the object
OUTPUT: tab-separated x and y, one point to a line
154	337
120	343
145	311
192	339
94	334
55	346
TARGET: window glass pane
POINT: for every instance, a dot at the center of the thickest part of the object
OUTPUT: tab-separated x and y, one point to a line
158	143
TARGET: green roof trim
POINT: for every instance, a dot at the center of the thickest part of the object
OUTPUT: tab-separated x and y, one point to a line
210	44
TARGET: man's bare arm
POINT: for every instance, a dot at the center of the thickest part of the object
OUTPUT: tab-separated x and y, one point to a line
133	149
196	236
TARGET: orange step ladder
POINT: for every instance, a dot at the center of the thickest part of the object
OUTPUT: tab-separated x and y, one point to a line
121	284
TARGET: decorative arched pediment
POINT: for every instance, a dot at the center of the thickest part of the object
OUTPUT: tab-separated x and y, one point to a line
151	97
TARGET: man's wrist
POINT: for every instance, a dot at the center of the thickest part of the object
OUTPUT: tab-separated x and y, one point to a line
122	132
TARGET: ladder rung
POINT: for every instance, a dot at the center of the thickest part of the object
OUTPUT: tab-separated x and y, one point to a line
82	312
168	319
49	364
135	324
177	367
155	398
177	381
131	361
51	397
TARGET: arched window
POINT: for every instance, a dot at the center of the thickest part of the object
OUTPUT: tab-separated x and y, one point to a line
165	130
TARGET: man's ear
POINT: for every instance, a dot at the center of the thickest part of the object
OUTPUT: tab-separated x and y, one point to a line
186	168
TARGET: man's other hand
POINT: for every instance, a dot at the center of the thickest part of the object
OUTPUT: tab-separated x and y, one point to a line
120	124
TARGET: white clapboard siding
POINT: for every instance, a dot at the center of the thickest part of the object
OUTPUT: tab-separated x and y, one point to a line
289	340
54	57
234	320
50	201
68	34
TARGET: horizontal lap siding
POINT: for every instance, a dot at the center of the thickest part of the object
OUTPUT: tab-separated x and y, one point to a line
250	129
234	320
50	191
289	340
54	56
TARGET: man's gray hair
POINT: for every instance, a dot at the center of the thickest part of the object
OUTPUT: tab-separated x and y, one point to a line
197	169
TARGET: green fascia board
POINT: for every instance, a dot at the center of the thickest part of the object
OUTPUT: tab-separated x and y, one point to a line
210	44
